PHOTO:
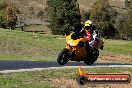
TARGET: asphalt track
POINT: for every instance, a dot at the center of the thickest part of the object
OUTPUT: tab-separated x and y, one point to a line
8	66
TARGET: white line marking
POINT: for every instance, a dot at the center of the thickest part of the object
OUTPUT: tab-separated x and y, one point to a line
40	69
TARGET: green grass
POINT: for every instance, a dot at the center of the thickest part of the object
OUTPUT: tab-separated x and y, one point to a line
18	45
118	47
23	45
42	79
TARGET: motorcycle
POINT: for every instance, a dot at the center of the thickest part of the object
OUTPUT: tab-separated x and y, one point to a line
78	49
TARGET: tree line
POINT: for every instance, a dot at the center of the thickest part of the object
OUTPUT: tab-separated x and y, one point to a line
64	14
11	17
8	18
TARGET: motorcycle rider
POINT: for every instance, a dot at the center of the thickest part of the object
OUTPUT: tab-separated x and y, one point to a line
90	32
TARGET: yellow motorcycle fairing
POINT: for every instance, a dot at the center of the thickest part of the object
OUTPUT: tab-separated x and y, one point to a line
72	46
72	42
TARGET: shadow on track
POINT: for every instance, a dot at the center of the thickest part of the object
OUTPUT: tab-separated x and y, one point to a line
14	64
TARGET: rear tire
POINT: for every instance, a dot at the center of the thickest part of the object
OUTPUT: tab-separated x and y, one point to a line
63	57
92	57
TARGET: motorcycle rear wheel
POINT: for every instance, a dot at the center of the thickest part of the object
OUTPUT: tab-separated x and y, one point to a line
63	57
92	57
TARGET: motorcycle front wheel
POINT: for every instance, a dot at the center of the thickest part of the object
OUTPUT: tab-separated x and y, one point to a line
63	57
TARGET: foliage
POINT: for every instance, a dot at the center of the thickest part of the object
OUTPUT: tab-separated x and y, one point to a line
1	17
124	22
63	15
127	24
85	15
8	18
2	13
40	15
100	15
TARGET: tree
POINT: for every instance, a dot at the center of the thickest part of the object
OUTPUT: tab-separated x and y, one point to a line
85	14
124	22
40	15
63	14
100	15
127	24
1	17
8	18
2	14
128	4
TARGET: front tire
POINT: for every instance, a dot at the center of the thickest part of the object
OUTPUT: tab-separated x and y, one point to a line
63	56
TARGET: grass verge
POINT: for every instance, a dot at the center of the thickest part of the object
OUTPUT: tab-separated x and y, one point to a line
118	46
45	78
19	45
25	45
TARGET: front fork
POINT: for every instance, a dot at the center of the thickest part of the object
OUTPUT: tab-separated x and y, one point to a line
72	54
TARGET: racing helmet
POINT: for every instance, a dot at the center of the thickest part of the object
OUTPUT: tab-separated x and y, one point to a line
88	25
